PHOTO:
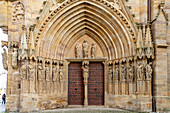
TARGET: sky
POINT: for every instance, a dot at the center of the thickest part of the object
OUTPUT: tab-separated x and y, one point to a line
3	77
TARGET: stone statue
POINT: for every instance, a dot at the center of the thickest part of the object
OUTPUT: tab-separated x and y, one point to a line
116	73
54	73
40	72
85	72
131	73
47	73
110	74
93	51
4	56
123	72
148	72
23	71
85	49
14	58
77	50
61	74
31	68
140	71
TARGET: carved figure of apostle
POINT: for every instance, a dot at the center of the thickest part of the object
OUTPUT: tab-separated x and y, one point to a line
54	73
77	50
61	74
116	73
23	70
140	71
4	56
148	72
31	70
14	58
47	73
93	51
85	73
85	49
123	72
110	74
131	73
40	72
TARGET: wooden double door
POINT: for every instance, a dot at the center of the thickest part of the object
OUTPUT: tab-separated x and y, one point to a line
95	84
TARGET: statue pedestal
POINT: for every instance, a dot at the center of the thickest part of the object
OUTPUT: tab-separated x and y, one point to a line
110	87
148	86
116	87
139	87
123	87
131	88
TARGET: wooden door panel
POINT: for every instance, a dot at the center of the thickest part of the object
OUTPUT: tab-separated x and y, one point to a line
96	84
75	84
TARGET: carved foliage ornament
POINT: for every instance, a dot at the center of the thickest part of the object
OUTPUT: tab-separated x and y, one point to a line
19	12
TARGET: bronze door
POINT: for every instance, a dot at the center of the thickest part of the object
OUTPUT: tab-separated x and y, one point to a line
96	84
75	84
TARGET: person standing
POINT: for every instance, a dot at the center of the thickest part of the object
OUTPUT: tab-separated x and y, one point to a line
3	98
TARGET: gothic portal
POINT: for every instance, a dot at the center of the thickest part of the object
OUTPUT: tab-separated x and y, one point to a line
108	53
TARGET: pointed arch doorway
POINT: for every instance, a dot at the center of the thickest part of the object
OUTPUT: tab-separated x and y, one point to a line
95	86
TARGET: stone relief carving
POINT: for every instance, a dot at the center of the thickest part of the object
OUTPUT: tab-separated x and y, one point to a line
110	74
15	58
149	71
61	74
4	60
140	71
23	70
40	72
19	12
77	50
32	70
93	50
54	73
85	46
131	73
47	72
85	71
116	73
123	72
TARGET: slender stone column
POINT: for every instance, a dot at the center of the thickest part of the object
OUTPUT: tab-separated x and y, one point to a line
85	67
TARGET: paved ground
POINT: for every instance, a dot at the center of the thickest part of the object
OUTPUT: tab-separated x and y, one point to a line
86	110
2	107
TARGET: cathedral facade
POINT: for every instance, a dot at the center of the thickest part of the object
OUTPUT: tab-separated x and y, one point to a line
81	53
